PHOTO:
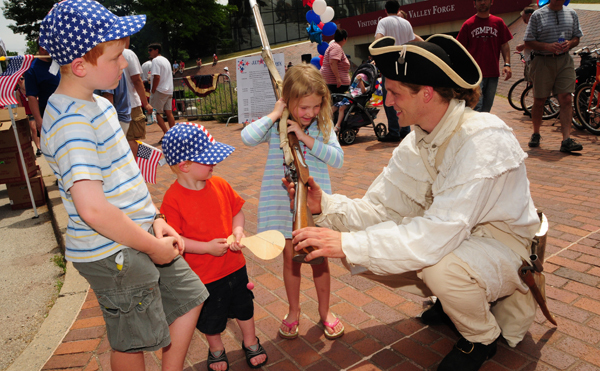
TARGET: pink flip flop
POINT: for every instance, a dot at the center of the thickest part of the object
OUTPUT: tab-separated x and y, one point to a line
329	335
289	335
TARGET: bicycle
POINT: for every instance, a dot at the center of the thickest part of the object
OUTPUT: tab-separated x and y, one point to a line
520	97
551	107
516	90
587	102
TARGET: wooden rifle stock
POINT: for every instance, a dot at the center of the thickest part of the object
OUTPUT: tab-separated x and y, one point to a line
302	216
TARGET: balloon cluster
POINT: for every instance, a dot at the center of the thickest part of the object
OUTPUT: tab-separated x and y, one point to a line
541	3
319	19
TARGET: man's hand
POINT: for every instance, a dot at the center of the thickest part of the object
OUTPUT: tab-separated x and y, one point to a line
327	242
148	108
217	247
338	81
556	48
313	198
506	71
166	252
162	229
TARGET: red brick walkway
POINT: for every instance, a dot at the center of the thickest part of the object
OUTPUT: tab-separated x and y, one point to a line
381	332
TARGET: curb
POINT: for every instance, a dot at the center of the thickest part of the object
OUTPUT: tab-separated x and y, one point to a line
71	297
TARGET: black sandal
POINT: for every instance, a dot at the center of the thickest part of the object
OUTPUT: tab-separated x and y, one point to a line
212	359
253	353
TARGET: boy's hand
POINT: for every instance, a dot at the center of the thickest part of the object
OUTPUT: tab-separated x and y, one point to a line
166	251
237	244
217	247
162	229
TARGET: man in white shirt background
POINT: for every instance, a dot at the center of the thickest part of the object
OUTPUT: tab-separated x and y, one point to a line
401	30
162	86
137	99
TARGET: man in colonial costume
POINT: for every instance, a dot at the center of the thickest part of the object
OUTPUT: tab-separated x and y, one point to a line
451	215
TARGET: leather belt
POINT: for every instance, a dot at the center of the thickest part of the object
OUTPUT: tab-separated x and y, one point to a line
551	55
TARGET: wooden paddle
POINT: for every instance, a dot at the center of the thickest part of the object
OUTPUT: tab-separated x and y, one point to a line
265	245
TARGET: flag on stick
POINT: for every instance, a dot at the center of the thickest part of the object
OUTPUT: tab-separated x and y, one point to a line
148	159
9	78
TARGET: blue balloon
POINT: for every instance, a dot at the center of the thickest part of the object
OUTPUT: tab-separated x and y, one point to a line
322	47
541	3
315	34
312	17
316	61
329	29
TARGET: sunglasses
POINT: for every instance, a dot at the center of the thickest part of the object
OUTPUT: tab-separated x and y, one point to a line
529	11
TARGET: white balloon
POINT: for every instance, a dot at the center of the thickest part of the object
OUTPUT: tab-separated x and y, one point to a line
319	6
328	15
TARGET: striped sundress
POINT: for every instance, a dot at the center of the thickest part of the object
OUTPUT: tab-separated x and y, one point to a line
274	204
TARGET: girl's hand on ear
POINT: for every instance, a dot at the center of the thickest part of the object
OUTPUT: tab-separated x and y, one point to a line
277	110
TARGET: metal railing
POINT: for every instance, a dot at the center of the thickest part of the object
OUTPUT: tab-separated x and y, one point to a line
221	102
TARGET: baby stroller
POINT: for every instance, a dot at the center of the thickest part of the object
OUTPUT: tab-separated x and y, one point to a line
357	114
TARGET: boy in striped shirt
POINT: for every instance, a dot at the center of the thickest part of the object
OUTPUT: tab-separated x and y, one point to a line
115	238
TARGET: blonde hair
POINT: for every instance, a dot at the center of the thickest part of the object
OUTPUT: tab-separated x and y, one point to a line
304	80
95	53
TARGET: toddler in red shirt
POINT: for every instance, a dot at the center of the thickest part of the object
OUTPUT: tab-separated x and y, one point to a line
205	210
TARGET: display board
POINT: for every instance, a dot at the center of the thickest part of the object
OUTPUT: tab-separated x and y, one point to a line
255	94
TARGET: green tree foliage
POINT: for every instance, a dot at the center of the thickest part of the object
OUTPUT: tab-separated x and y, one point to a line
28	15
185	28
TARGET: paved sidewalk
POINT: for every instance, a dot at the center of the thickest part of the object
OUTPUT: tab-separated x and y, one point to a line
381	331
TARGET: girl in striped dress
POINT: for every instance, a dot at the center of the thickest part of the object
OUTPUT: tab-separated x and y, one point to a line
308	100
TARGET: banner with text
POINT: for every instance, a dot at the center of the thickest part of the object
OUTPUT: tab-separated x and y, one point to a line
426	13
256	97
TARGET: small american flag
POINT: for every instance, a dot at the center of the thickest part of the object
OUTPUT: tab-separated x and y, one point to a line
148	159
8	80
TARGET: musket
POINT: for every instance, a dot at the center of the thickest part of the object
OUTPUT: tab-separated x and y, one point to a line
296	167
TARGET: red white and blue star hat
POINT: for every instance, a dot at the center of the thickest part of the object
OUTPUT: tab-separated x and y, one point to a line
73	27
187	141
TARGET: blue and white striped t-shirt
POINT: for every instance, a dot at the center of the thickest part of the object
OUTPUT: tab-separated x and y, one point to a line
547	25
82	140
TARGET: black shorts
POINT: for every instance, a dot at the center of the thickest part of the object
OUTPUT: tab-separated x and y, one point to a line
229	298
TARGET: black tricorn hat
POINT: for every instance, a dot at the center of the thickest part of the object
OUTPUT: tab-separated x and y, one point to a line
440	61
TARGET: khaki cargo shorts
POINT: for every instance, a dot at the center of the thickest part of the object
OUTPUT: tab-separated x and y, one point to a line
141	300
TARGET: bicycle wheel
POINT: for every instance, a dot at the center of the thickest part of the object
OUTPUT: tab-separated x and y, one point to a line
581	99
551	106
575	119
590	117
515	92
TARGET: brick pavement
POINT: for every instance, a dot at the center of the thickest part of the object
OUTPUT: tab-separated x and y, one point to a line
382	333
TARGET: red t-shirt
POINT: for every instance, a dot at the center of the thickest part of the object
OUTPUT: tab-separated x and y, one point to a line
483	37
203	216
